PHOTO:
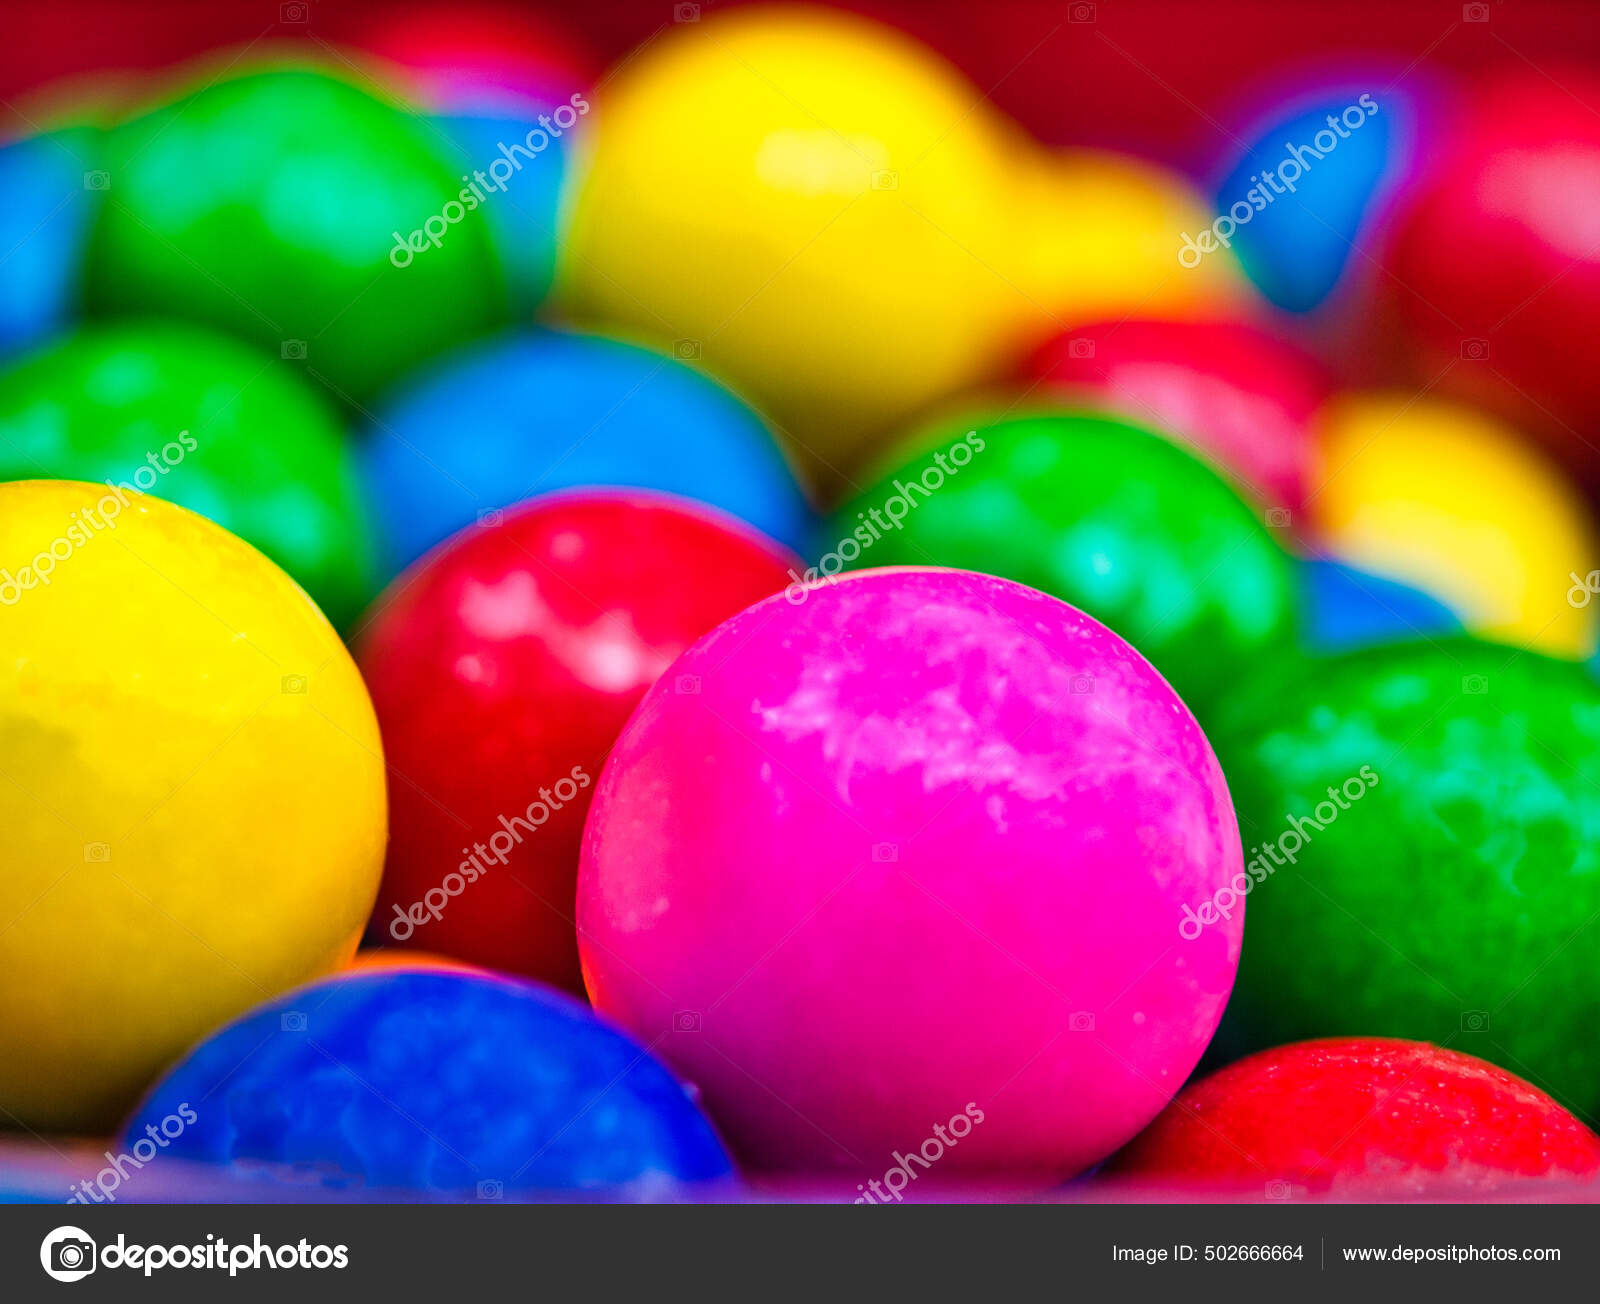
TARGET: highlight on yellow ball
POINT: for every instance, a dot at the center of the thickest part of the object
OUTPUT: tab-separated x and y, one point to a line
191	788
805	202
1451	501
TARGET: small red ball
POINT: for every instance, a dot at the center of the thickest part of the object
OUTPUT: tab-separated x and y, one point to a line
1323	1117
1236	395
502	667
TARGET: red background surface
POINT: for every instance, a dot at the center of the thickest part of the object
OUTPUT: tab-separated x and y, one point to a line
1155	76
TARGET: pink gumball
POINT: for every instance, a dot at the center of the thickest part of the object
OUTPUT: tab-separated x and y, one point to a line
876	858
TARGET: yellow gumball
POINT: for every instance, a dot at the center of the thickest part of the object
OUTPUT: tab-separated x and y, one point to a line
1449	500
811	205
1098	241
191	788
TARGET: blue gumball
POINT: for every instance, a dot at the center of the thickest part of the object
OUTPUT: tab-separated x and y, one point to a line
538	410
1306	190
49	189
1346	608
442	1082
521	195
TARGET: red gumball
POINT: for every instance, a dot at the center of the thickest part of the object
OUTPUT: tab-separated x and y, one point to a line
1240	397
1494	257
502	667
1359	1114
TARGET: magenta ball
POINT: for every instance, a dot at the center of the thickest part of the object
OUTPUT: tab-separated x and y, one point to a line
901	863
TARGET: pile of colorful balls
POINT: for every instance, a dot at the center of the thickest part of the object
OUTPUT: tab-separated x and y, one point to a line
736	626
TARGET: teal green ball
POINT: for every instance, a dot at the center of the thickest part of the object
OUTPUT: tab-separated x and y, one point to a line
1454	895
1113	519
206	422
269	205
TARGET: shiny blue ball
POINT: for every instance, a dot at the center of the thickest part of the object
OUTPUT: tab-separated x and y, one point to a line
450	1083
534	411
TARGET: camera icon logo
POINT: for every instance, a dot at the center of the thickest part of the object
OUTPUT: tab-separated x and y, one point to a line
1082	12
1278	518
293	351
1474	350
491	517
689	684
490	1189
292	1021
96	853
1474	685
295	683
1278	1189
1080	348
1475	1021
67	1254
885	180
885	853
1082	683
1475	13
1080	1021
686	13
293	12
685	350
686	1021
97	181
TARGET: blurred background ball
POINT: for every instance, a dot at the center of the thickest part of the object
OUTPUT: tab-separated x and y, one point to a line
1494	259
51	186
939	776
1234	394
193	793
459	1084
1425	818
1360	1117
1111	518
1448	500
277	205
808	204
535	411
502	668
1343	608
208	423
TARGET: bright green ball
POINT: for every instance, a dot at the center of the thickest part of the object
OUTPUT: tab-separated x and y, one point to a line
206	422
268	206
1452	891
1111	518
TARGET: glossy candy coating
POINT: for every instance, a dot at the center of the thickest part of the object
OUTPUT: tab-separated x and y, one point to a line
435	1081
1450	501
1493	269
503	667
830	248
919	838
1234	394
206	422
535	411
1111	518
192	791
1456	898
268	204
1360	1116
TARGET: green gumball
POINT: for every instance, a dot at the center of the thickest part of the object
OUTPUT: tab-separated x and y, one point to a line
206	422
1111	518
1422	824
279	207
